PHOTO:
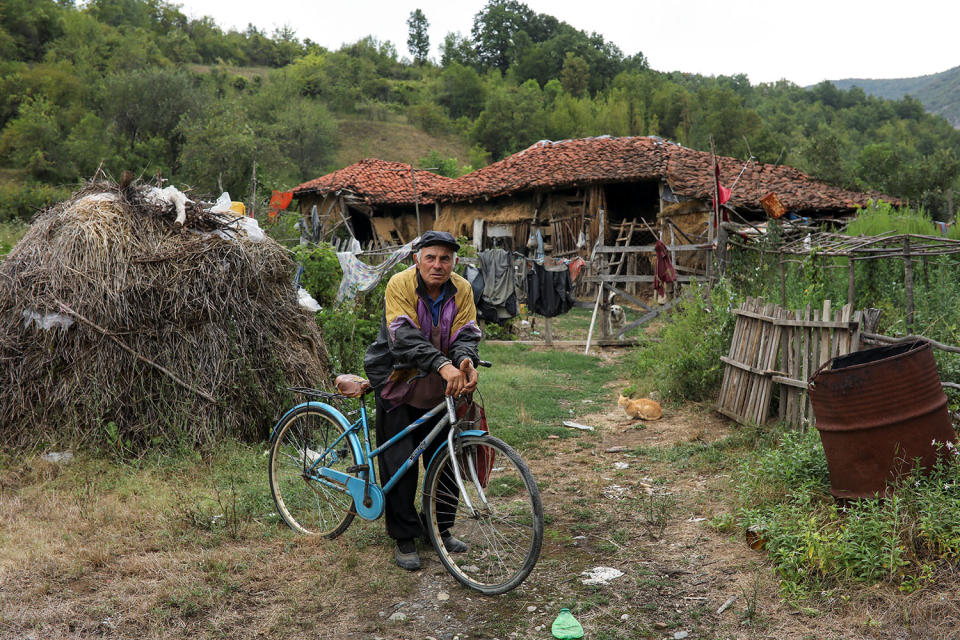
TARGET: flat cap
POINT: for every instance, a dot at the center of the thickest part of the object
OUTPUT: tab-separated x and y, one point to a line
432	238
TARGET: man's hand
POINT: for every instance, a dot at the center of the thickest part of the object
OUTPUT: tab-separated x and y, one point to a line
454	378
462	380
470	374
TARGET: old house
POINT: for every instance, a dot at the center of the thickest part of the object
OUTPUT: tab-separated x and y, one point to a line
580	195
380	203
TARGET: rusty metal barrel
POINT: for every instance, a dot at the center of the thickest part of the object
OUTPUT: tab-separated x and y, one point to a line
879	412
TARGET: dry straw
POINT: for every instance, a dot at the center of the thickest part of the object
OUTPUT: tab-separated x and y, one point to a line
176	331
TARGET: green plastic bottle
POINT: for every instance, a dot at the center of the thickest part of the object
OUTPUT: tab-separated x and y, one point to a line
566	627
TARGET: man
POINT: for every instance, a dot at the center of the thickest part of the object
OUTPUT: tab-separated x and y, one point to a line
426	348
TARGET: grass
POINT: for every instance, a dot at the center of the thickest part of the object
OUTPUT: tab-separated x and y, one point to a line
395	141
530	392
10	233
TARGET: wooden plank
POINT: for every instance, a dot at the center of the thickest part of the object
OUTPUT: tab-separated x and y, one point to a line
612	278
627	296
825	334
650	248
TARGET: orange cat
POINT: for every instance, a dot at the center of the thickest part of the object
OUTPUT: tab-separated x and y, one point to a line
643	408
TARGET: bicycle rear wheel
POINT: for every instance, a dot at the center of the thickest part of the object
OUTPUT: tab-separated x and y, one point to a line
503	533
300	447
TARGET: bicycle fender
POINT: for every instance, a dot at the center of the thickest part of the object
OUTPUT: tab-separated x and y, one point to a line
467	432
355	487
335	414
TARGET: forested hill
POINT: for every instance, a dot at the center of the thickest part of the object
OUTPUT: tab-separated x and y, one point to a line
135	84
939	92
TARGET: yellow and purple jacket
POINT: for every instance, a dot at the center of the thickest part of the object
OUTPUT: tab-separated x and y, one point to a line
404	351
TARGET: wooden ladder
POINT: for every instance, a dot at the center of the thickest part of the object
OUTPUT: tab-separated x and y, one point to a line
623	239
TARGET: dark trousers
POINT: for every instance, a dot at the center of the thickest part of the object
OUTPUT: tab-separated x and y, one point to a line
400	510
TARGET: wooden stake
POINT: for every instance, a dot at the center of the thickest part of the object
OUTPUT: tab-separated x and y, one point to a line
851	282
783	282
593	318
908	280
548	331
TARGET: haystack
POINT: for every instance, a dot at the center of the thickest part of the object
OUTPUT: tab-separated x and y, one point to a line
117	322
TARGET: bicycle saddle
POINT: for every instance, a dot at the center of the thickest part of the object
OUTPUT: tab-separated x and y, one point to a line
351	386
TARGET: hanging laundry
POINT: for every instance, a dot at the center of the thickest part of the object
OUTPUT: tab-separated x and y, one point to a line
549	289
359	276
664	273
499	300
279	201
576	264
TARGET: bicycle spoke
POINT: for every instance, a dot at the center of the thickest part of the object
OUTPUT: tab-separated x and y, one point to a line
308	503
504	536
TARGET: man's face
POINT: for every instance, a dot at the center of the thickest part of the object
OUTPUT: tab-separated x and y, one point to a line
435	264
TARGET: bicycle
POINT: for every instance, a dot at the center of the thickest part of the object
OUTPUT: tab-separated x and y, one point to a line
321	477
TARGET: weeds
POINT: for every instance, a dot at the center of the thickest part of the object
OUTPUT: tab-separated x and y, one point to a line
655	513
685	364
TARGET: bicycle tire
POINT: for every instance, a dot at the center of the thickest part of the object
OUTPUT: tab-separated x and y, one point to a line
307	505
503	538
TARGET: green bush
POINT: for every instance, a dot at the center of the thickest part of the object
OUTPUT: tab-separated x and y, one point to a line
350	327
22	201
816	543
685	364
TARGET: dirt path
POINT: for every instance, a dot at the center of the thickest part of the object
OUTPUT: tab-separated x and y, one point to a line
607	506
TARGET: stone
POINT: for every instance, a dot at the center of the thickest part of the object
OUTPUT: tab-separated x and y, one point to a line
399	616
532	608
443	595
680	635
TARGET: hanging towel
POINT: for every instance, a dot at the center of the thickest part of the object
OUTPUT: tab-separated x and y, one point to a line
359	276
664	273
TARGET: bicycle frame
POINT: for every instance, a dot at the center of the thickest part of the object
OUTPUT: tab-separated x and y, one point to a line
364	488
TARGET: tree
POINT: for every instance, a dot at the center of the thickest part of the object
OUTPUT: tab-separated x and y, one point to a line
457	50
418	42
461	91
307	135
575	76
494	30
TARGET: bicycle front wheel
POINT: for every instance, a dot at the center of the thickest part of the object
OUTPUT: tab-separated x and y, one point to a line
503	524
304	442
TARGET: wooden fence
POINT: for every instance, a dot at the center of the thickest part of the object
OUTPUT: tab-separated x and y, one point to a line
776	346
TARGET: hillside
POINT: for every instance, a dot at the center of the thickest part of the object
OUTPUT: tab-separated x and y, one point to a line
396	141
939	92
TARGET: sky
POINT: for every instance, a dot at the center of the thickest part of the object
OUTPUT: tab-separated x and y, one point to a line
803	42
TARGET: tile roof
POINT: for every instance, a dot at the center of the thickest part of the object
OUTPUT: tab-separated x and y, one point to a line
689	174
605	159
378	182
566	163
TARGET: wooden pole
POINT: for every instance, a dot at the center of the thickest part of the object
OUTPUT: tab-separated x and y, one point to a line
416	200
908	280
851	281
593	318
548	332
783	282
253	198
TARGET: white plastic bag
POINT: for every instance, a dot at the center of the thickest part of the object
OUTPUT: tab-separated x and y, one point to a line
222	205
307	301
252	227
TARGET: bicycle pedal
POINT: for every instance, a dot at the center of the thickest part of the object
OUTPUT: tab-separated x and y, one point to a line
358	467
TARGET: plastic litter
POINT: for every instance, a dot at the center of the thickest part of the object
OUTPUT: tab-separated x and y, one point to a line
169	196
600	575
566	626
576	425
222	205
252	227
307	301
58	457
46	321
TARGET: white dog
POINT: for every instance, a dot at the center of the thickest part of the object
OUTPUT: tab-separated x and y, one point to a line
617	318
